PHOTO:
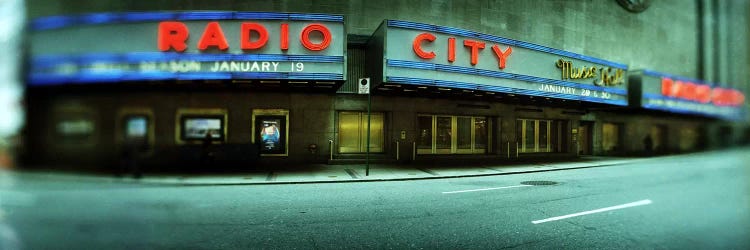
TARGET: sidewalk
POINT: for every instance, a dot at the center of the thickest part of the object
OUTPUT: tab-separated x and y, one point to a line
322	173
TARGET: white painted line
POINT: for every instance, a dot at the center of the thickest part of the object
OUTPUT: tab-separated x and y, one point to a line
484	189
632	204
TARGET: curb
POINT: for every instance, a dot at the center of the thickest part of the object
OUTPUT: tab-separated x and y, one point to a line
382	179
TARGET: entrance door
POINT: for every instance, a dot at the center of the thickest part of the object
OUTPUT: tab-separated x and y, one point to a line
584	137
353	132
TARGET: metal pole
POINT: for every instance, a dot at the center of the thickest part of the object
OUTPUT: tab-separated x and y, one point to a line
516	149
369	104
397	151
508	149
330	146
414	151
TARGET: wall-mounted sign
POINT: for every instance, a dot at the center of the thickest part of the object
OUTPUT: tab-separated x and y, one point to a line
602	76
660	91
187	45
430	55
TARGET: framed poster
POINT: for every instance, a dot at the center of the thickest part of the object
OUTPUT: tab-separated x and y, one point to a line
270	131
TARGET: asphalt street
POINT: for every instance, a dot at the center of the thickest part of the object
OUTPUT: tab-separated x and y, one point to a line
696	201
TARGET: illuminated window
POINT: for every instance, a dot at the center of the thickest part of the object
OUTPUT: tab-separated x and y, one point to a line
197	127
136	127
75	130
440	134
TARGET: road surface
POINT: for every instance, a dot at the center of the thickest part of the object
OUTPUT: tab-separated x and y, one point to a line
684	201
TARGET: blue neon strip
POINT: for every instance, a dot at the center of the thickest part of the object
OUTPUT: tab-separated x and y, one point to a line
497	74
148	16
39	62
262	15
205	15
502	89
99	18
40	79
58	22
52	22
501	40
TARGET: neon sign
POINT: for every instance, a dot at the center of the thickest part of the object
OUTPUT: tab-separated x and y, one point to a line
174	35
474	45
701	93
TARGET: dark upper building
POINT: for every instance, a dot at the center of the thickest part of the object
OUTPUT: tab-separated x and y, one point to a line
281	82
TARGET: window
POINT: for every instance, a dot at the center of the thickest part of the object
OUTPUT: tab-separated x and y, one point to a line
440	134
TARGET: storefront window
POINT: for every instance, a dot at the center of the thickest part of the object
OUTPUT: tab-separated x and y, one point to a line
453	135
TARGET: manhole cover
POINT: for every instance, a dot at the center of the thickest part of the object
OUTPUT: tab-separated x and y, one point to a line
538	183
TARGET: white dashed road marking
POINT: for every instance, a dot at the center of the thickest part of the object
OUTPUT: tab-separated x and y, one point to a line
484	189
627	205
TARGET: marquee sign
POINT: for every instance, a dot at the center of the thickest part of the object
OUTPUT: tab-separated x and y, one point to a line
660	91
113	47
431	55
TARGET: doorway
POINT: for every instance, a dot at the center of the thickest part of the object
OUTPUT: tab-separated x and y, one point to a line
353	132
585	135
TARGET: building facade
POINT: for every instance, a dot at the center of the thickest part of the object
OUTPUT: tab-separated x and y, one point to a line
263	83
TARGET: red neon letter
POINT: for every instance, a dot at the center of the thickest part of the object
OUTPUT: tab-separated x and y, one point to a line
451	49
172	35
666	86
703	93
475	47
737	98
284	36
417	45
502	57
688	91
246	31
305	37
213	36
718	97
